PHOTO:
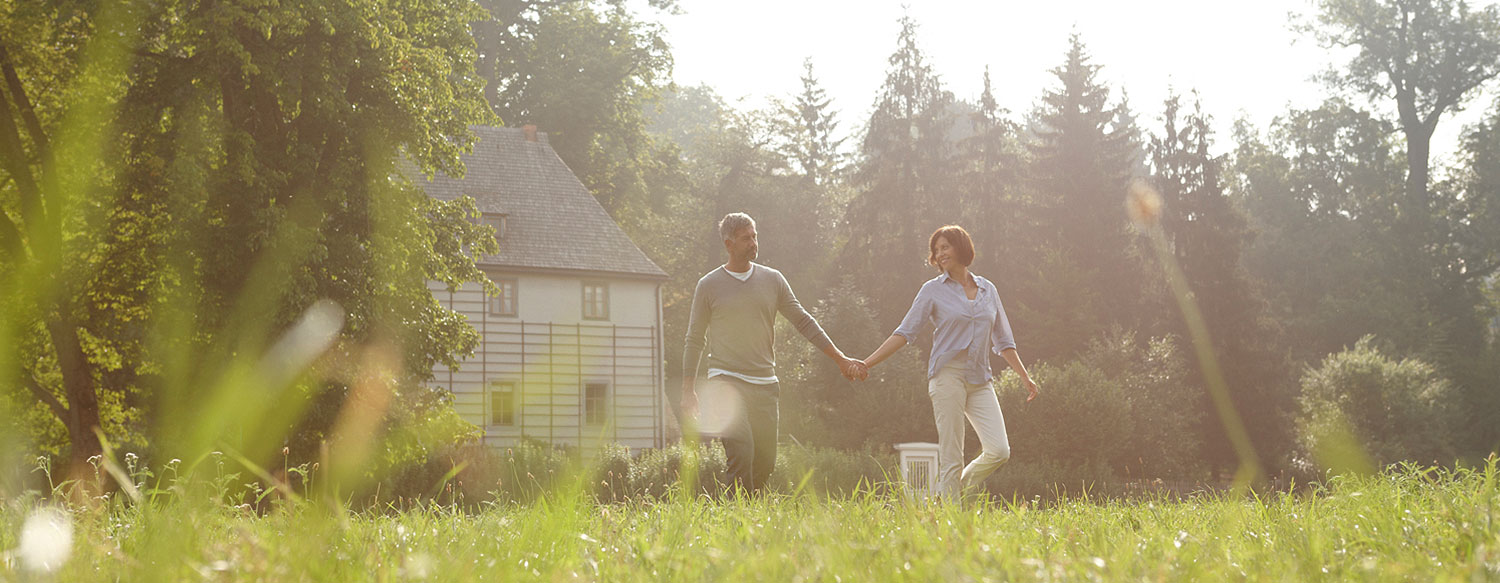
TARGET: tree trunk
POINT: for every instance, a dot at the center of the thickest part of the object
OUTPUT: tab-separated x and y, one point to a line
1417	211
1418	155
83	404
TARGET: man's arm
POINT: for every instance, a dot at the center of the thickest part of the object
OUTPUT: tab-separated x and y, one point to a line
692	350
792	310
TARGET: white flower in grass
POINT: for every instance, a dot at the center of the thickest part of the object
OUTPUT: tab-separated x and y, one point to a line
46	540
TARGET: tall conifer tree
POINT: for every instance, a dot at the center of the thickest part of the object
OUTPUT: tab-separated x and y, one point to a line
1084	155
1207	234
903	166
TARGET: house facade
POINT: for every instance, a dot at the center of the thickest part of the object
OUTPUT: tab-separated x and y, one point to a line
571	346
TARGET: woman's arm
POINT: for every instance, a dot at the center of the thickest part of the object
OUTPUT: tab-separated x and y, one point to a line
887	348
1014	358
917	319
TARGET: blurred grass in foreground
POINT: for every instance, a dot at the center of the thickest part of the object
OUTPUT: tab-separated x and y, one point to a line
1408	523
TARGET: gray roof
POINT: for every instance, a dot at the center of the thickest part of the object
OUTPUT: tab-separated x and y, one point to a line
553	222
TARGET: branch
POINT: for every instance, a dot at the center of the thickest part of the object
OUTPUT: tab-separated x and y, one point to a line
1483	271
45	396
23	105
11	243
13	160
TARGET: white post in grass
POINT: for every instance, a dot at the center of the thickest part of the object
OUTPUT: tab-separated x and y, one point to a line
919	462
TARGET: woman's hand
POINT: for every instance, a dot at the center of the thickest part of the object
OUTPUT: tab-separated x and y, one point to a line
1031	391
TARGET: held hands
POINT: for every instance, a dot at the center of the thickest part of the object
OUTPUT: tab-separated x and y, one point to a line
854	369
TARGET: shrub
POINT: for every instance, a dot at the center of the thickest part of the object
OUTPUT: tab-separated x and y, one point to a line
484	474
1392	410
611	474
655	471
1165	406
832	472
1083	418
1124	408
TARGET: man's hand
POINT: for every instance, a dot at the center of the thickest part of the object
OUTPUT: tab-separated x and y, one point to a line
689	401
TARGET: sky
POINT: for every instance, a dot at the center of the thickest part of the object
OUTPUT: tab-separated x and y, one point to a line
1241	57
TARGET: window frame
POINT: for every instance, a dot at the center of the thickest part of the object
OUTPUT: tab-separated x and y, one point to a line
492	390
601	413
602	303
500	222
515	297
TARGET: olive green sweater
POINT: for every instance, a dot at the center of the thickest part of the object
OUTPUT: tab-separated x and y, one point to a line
739	318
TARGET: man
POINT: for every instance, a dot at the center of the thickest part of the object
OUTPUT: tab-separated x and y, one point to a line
736	305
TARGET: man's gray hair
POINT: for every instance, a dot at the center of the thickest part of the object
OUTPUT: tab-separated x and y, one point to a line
732	223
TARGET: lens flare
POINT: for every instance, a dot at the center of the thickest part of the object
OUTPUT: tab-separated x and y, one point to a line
719	404
46	540
1143	204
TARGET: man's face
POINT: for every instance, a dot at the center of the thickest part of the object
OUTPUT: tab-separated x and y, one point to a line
744	246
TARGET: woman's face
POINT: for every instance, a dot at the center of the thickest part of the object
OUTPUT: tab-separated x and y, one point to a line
947	257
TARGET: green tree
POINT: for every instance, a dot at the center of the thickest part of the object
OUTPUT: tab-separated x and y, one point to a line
1167	404
584	72
1429	57
991	164
1475	189
237	170
811	129
1207	235
52	362
904	165
1394	410
805	135
1315	187
1083	156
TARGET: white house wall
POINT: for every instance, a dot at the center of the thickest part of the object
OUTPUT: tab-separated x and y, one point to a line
550	352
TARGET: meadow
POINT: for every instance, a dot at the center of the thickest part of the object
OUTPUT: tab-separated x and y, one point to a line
1404	524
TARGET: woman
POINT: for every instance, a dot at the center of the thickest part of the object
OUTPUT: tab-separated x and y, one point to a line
970	323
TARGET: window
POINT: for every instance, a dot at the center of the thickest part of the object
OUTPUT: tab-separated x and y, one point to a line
504	302
595	403
596	301
499	221
502	404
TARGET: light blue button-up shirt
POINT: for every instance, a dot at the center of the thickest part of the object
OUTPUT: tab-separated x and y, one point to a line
978	326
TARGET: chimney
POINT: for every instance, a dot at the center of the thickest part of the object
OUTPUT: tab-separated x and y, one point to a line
530	131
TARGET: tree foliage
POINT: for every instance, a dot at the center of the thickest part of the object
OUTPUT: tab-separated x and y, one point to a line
1396	410
584	72
210	173
1083	156
1427	55
1428	58
1207	235
903	164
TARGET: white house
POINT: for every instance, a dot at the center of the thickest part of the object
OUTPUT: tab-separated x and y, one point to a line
571	349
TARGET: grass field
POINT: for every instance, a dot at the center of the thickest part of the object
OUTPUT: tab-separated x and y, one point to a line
1403	525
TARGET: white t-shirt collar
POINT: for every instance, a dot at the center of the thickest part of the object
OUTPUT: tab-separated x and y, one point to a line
743	276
